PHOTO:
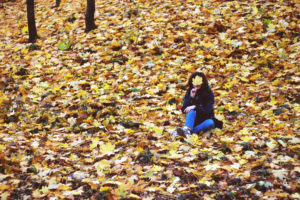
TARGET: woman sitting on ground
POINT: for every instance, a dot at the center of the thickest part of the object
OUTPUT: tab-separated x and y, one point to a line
198	105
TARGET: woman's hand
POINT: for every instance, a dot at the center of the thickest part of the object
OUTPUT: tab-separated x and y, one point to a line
189	108
193	92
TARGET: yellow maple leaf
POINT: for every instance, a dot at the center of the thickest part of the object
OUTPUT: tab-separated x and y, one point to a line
45	190
273	101
174	146
208	45
102	166
211	167
162	86
5	195
127	23
122	190
25	29
197	80
271	26
174	155
297	108
158	130
89	160
37	194
280	173
228	41
254	10
73	157
276	82
246	138
77	192
171	107
244	131
24	51
187	66
4	187
64	145
64	187
193	139
204	181
94	144
107	148
156	168
245	79
295	196
129	131
106	122
183	24
249	154
105	188
238	148
172	187
82	93
38	90
271	144
115	43
194	151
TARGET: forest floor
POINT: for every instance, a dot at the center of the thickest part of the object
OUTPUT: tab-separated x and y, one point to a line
88	116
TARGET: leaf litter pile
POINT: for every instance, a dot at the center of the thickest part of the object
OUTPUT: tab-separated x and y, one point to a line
88	116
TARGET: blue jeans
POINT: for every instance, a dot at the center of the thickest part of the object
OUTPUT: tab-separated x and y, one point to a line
204	126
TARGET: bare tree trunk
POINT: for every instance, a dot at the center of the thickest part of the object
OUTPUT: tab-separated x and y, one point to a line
57	3
31	21
89	16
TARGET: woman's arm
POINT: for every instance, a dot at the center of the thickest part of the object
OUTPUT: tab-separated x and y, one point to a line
208	107
186	101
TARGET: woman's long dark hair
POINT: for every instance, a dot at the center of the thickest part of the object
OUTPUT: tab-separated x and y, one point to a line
204	84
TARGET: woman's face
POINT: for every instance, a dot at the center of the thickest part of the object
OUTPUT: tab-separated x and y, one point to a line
197	86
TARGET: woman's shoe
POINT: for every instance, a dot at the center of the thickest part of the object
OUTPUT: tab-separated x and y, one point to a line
185	131
174	134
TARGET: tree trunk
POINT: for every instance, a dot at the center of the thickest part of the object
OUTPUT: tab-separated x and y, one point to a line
89	16
31	21
57	3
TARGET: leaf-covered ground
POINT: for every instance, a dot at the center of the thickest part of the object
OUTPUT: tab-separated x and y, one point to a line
93	121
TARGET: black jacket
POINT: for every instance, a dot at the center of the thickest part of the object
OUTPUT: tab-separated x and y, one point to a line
204	101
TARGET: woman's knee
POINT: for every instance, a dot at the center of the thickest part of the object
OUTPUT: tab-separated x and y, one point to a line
210	123
192	112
